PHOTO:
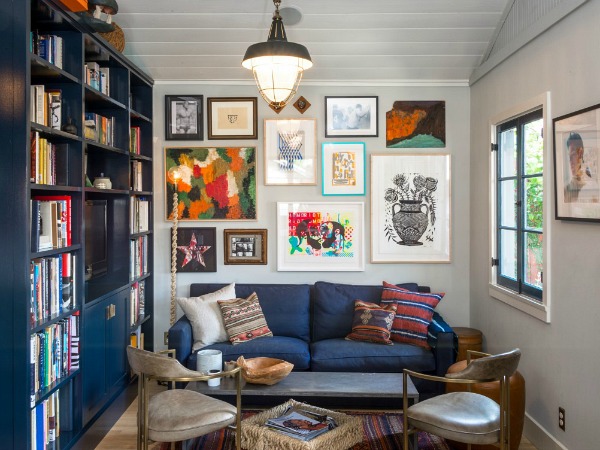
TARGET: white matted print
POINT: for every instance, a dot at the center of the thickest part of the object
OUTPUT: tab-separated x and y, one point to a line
410	208
315	236
290	151
344	168
351	116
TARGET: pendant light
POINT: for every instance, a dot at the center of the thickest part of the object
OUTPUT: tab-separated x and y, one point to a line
277	64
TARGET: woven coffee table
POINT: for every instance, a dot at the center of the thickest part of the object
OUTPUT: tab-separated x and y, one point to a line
257	436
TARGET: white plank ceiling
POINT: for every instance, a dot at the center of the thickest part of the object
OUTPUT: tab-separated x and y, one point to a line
353	41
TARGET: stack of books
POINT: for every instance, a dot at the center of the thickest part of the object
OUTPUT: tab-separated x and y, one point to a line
301	423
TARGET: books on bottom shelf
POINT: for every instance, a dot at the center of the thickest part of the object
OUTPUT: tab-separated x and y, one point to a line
301	423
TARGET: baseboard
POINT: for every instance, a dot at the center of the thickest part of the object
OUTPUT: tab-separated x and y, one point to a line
539	436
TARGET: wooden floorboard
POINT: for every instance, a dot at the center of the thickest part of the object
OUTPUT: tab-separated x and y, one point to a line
116	429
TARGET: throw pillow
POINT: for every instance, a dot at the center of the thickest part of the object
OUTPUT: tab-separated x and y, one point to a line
244	319
413	314
372	322
205	316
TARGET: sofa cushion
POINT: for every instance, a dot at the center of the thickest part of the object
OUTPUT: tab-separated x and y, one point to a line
333	307
244	319
372	322
289	349
340	355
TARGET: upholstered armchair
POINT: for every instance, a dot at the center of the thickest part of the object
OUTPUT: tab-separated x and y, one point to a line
465	416
178	414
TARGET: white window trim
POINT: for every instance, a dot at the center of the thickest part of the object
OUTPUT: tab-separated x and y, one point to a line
535	308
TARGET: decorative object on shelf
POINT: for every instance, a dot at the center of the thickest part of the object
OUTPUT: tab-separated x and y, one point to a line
410	208
116	38
354	116
245	246
99	15
217	183
277	64
173	176
263	370
196	250
183	115
416	124
302	105
75	5
344	168
577	165
232	118
290	151
102	182
69	127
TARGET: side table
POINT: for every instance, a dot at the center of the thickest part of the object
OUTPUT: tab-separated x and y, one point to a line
468	339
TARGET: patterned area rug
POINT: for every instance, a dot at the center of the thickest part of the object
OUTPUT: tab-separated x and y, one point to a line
382	431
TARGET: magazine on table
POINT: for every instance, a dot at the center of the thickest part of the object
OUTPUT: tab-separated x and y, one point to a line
301	424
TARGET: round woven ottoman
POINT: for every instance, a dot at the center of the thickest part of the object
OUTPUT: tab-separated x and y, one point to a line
492	390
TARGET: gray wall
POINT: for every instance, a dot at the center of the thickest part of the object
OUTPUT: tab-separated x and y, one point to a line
560	360
452	278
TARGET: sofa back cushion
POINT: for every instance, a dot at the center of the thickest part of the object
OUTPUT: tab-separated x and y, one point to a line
286	306
333	307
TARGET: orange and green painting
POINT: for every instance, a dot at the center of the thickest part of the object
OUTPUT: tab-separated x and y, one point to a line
217	183
416	124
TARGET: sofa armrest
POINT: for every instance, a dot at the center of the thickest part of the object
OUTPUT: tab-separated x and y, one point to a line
444	352
181	339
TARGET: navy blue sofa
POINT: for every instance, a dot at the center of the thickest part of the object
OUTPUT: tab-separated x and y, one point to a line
309	324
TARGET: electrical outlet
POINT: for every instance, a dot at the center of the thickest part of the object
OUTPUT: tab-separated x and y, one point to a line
561	418
166	338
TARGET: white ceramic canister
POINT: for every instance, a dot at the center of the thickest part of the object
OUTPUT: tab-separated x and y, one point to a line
209	360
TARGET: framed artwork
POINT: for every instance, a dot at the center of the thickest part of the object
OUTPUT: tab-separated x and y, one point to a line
211	183
576	156
183	117
351	117
344	168
196	249
245	246
290	151
410	208
416	124
315	236
232	118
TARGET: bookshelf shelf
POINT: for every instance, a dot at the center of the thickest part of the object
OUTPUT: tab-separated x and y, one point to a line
48	391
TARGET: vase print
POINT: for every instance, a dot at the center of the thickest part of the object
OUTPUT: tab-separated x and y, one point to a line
410	220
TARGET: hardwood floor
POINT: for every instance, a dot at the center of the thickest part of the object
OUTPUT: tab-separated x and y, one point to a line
116	429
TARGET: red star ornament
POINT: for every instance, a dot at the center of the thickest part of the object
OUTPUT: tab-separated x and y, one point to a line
193	251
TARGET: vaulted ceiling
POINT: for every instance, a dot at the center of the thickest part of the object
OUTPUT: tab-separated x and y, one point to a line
349	40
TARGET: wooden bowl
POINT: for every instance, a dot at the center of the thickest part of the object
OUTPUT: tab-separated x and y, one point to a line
264	370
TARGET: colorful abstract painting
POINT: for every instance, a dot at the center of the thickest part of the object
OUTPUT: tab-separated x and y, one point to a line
416	124
216	183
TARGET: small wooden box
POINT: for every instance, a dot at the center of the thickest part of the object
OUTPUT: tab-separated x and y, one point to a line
75	5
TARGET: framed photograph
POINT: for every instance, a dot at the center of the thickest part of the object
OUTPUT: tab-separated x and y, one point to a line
183	117
576	156
351	117
211	183
196	249
290	151
245	246
416	124
344	168
410	208
232	118
315	236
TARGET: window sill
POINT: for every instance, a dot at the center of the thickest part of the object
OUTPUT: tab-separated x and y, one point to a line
521	302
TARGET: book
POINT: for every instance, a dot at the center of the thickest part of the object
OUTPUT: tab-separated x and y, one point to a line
45	227
36	223
54	108
301	423
64	221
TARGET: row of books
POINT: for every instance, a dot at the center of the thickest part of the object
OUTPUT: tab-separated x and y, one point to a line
97	77
48	161
138	263
52	287
50	222
99	128
138	216
301	423
47	46
136	176
46	106
54	352
135	145
137	301
46	423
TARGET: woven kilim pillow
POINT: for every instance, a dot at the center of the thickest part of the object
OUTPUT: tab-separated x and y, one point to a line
244	319
372	322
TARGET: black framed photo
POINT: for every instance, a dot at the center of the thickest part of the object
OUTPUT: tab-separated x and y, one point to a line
351	116
183	117
245	246
196	249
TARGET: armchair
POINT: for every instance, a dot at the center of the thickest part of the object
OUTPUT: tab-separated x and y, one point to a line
466	416
178	414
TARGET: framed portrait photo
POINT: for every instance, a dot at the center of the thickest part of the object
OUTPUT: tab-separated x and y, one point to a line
576	163
344	168
290	151
196	249
410	208
183	117
318	236
351	116
248	246
232	118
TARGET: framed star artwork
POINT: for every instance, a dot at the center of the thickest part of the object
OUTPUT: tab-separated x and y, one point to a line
196	249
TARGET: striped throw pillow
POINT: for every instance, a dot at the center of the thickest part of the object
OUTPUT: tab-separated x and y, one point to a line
244	319
372	322
413	314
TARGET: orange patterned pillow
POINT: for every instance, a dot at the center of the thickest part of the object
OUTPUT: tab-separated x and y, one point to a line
244	319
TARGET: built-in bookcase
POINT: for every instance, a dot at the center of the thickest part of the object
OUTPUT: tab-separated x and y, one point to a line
76	258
